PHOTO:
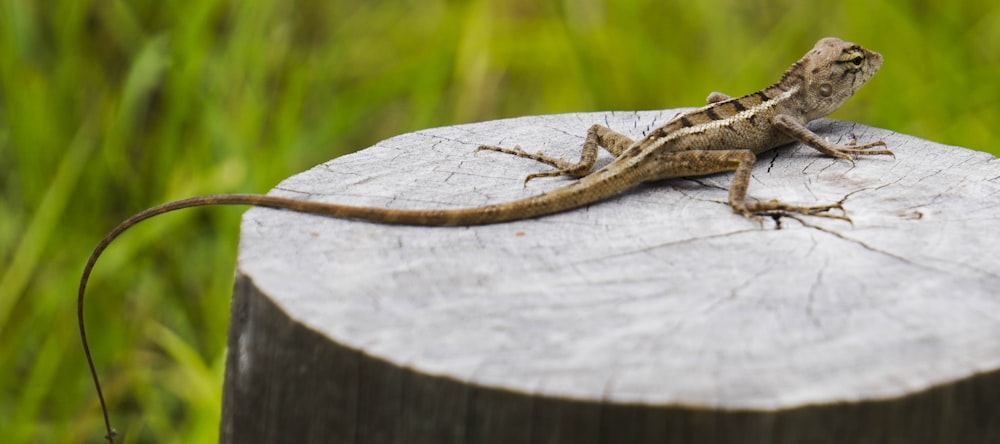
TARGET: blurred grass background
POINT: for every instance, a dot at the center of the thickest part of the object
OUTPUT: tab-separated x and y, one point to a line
109	107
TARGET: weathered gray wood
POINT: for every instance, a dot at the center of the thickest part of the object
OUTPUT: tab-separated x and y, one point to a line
656	316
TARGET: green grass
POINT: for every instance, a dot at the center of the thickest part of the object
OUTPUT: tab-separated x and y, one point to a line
108	107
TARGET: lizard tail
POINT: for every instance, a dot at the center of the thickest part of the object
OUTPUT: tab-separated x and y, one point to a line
597	186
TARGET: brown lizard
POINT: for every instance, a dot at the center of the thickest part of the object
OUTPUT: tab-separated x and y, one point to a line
725	135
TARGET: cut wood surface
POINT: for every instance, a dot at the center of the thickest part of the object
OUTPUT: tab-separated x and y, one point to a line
658	301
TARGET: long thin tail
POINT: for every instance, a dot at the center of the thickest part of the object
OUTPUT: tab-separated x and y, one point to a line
592	188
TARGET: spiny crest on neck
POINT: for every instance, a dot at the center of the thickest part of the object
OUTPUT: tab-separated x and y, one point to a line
794	75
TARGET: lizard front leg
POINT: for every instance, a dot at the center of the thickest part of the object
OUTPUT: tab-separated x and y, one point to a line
797	130
597	136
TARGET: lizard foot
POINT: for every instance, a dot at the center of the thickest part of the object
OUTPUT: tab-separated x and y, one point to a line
849	150
777	209
563	167
853	148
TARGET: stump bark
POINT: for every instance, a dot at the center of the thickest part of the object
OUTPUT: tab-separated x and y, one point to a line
656	316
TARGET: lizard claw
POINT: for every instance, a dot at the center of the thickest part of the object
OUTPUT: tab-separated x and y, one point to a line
846	156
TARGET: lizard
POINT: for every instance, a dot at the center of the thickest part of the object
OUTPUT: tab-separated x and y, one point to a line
726	135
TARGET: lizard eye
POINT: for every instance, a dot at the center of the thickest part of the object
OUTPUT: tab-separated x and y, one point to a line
853	58
825	90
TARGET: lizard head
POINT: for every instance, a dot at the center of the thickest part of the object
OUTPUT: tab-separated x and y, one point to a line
831	73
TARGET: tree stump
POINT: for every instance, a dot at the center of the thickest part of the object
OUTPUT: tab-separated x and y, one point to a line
656	316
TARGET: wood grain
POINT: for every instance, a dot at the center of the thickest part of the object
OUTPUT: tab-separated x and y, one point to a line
655	316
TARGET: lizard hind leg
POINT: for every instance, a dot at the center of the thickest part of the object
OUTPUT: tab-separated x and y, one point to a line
740	162
598	136
744	162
